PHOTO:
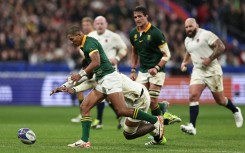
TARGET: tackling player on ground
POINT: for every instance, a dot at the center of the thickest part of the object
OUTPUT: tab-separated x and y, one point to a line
136	96
108	86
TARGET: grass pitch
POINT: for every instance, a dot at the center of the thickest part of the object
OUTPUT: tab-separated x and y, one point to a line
216	132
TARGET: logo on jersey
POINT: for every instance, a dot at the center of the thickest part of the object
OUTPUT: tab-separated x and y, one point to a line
197	39
148	37
91	49
135	37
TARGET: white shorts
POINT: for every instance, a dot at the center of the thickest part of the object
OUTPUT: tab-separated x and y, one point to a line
158	79
143	103
214	83
111	83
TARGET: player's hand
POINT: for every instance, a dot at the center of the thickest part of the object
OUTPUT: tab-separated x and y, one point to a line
206	61
133	76
56	90
183	67
152	71
70	90
113	61
75	77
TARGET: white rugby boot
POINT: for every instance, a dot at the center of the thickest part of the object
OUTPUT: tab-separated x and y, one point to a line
238	118
189	129
80	144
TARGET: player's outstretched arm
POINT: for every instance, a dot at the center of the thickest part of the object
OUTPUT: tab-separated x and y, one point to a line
70	90
58	89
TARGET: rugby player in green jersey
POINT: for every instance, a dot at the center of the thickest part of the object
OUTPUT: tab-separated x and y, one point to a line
151	49
108	86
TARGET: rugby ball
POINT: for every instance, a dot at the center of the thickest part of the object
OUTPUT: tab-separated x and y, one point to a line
26	136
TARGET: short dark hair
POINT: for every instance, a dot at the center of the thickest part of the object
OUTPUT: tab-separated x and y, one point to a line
73	30
87	19
141	9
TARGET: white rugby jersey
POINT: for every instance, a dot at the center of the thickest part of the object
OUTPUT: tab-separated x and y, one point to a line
110	42
132	91
198	47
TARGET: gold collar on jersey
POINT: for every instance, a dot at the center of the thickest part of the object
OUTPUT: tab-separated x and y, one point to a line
83	41
147	28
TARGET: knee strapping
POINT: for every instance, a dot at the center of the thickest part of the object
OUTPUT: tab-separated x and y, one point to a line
194	103
130	130
154	93
128	136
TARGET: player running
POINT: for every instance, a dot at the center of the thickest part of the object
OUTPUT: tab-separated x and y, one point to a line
136	96
203	48
108	86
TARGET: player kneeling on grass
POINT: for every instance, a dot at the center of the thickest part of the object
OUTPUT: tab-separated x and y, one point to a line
136	96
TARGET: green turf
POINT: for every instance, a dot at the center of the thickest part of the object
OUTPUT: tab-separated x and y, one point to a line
216	132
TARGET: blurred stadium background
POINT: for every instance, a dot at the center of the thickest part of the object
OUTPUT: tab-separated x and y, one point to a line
35	55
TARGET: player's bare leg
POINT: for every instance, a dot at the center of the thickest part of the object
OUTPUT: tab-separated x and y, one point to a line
195	92
133	130
117	99
89	102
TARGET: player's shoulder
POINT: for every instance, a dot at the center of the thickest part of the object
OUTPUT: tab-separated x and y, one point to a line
206	34
92	34
107	31
187	39
111	33
154	28
90	41
156	32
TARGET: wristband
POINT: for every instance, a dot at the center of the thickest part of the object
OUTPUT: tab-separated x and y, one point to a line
74	90
82	73
118	58
157	67
133	70
165	58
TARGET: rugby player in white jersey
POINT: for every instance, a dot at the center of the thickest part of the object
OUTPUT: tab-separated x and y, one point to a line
203	48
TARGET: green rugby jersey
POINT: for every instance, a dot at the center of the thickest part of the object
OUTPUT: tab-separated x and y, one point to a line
89	46
147	46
